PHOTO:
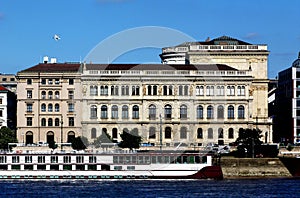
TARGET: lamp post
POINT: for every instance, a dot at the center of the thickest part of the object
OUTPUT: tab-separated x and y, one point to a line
61	132
160	132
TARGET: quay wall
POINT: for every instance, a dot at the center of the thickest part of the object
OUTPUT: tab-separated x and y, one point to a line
253	168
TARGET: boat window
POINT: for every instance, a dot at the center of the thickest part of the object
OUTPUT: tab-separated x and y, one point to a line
172	159
115	159
153	160
93	159
130	167
204	159
159	159
79	159
141	160
178	160
147	160
15	159
2	159
41	159
197	159
184	159
121	160
67	159
118	167
54	159
191	159
128	159
134	159
167	159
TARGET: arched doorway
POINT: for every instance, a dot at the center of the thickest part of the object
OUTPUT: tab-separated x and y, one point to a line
50	137
29	137
71	136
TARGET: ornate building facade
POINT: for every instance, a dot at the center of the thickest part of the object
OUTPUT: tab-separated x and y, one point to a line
49	103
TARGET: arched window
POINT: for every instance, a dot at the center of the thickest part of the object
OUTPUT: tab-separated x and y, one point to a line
106	90
199	133
43	122
220	133
135	91
104	112
220	90
230	90
152	112
241	112
180	90
57	94
170	90
183	112
149	88
210	134
230	112
56	107
186	90
114	112
168	134
220	112
29	137
114	90
93	133
50	107
50	137
230	133
125	112
102	90
43	95
197	91
43	107
114	133
50	94
168	112
183	133
135	112
152	133
94	90
56	122
93	110
199	112
210	112
50	122
71	136
155	90
241	90
165	90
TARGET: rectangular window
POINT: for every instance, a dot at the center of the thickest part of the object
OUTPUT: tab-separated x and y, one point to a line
71	94
57	81
71	121
50	82
54	159
29	121
0	100
71	107
15	159
1	113
29	93
28	159
71	81
41	159
29	107
43	81
67	159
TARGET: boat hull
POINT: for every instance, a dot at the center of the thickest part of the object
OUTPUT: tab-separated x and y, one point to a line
292	164
208	172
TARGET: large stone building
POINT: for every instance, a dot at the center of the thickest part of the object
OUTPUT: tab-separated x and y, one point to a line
210	91
49	103
237	54
287	122
7	108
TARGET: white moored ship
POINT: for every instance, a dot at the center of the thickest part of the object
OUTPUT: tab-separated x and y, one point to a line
112	165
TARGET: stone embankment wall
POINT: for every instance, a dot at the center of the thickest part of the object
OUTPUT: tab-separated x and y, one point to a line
255	168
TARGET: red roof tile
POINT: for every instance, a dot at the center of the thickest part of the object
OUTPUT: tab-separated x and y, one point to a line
3	88
54	67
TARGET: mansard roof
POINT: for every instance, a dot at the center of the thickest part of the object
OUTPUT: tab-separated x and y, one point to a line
54	67
223	40
157	67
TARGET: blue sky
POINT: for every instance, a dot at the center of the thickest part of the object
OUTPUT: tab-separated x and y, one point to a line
27	27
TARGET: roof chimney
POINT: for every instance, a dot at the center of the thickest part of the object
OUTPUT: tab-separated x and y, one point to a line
53	60
45	59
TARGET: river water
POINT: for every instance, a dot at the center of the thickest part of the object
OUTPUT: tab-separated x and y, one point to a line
284	187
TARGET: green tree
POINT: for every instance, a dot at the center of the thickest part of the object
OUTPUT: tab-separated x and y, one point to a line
103	138
7	136
247	139
130	139
78	143
52	145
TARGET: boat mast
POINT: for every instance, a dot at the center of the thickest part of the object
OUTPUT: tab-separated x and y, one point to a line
160	132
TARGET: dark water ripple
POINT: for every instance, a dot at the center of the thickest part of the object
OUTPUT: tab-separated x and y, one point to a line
152	188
